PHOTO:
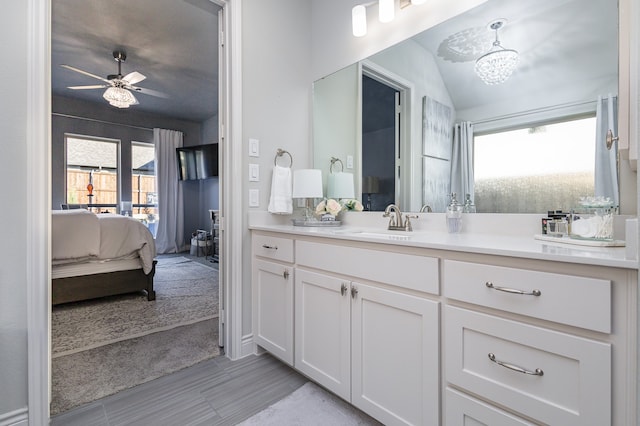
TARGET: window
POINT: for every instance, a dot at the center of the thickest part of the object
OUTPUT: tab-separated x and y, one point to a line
535	169
144	197
92	171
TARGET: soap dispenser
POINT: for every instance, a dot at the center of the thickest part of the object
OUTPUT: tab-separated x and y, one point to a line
454	215
468	207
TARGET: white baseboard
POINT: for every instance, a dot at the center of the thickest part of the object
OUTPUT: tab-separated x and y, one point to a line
248	347
15	418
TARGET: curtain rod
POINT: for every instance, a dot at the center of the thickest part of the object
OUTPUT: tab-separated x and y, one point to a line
538	110
102	121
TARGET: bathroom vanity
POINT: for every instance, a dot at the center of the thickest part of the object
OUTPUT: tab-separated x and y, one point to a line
429	328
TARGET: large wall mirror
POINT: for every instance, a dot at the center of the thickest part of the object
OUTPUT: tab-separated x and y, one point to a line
397	119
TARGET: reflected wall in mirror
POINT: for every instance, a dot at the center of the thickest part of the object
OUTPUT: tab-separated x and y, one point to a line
568	57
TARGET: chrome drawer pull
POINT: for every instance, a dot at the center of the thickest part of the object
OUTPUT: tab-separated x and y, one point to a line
343	289
534	292
537	372
270	247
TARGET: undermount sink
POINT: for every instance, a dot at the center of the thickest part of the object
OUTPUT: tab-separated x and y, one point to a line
381	235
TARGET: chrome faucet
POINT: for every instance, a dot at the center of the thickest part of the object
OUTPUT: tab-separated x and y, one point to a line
426	208
396	223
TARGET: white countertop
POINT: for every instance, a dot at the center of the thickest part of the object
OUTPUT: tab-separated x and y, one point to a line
501	245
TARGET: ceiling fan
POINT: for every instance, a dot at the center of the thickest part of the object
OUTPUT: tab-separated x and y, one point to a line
119	87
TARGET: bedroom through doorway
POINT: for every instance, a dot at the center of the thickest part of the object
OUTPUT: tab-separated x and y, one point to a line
104	345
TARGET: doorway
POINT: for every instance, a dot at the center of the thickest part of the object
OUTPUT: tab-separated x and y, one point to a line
380	143
221	138
385	138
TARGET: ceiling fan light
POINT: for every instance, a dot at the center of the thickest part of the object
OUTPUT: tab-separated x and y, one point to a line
359	20
386	10
119	97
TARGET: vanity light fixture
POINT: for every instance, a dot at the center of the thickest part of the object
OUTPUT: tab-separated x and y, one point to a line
497	65
386	13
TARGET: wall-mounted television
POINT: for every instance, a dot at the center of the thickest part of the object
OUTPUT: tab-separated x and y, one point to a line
197	162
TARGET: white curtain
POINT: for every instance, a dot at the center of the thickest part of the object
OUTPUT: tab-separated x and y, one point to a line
170	231
606	170
462	161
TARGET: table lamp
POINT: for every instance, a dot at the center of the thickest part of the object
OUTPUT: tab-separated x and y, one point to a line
370	185
340	186
307	183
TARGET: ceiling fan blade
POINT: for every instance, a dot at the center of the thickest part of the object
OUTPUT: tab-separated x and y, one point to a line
133	77
69	67
149	92
97	86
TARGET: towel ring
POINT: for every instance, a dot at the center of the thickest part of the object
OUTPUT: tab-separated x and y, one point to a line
335	160
280	153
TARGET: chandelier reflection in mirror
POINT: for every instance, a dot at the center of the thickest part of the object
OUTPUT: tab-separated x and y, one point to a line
497	65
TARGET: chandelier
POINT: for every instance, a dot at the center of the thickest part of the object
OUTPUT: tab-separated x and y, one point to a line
497	65
119	97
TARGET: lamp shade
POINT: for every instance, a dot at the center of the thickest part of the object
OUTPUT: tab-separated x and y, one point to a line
119	97
386	10
340	185
307	183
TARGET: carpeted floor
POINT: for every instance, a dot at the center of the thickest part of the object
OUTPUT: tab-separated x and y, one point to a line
186	292
103	346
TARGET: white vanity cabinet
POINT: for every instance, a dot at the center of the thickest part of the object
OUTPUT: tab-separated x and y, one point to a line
376	347
272	292
539	343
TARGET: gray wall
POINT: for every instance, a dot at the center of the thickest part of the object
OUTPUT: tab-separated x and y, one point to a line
97	120
13	220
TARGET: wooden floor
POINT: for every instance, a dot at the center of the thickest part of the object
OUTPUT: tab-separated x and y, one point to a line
215	392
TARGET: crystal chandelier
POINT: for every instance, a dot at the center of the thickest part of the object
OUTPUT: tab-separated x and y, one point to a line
497	65
119	97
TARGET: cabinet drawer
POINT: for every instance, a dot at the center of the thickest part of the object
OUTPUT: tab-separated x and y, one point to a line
578	301
571	387
402	270
463	410
273	247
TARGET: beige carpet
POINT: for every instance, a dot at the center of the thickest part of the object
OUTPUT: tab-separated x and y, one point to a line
106	345
310	405
186	292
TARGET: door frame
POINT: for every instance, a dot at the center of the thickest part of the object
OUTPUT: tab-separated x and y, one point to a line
38	183
404	184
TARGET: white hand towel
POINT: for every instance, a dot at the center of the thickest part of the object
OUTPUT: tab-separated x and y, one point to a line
280	201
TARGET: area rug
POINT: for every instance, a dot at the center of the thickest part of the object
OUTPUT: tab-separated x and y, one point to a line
95	373
186	293
310	405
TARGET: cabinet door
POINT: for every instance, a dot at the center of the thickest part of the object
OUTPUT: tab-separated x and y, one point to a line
273	308
395	362
322	330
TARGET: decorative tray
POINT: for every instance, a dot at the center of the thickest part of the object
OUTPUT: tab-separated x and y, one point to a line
580	242
302	222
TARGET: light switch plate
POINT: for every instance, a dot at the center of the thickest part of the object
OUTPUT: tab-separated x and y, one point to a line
254	198
349	161
254	148
254	173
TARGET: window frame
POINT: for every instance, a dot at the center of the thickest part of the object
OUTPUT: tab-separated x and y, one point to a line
118	143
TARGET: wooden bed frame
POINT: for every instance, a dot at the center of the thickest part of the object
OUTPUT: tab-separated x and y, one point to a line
84	287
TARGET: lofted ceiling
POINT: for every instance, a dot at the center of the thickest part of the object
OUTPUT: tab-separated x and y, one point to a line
174	43
561	44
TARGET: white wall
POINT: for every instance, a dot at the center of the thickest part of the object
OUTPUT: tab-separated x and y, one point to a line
276	87
334	46
13	220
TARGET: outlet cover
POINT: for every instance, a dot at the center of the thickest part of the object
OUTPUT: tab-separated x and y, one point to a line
254	198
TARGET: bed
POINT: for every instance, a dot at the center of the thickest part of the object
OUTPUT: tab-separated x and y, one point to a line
97	255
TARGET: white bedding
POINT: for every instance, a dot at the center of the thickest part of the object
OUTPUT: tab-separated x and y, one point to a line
79	236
